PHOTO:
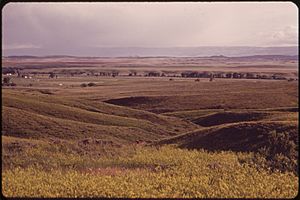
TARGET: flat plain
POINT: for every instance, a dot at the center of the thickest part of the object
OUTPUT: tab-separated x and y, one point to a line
89	133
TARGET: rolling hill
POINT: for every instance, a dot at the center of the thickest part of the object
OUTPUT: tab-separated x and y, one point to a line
36	115
241	136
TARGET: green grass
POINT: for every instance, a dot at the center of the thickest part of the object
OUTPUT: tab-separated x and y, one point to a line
75	114
40	116
26	124
32	98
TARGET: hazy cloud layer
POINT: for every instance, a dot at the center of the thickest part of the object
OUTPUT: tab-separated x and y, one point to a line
81	28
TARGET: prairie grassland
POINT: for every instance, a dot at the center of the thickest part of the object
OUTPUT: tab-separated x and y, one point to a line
166	64
236	114
188	95
151	172
149	137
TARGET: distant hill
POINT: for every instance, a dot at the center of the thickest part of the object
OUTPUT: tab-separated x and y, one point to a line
232	51
268	57
238	58
199	51
21	57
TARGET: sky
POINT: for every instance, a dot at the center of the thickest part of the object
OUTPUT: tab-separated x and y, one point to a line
79	28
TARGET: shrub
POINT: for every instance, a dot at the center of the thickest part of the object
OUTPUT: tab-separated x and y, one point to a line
91	84
6	80
51	75
280	153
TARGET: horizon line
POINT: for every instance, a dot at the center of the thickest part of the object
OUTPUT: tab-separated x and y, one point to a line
219	55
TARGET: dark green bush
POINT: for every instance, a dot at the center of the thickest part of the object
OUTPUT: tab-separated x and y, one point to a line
280	153
91	84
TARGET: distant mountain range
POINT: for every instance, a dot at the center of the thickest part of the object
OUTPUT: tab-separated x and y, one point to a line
231	51
253	57
199	51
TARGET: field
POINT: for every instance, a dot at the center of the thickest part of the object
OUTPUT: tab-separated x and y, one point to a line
142	136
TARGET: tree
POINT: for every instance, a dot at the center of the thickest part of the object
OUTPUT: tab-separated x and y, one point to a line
6	80
51	75
91	84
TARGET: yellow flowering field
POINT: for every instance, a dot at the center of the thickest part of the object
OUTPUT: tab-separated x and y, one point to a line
154	172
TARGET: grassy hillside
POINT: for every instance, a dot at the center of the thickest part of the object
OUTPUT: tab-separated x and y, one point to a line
194	115
26	124
242	136
92	105
188	95
240	116
41	115
275	143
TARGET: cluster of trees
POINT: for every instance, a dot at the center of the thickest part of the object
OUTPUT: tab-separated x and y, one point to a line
8	70
194	74
153	74
113	73
7	82
88	85
133	73
52	75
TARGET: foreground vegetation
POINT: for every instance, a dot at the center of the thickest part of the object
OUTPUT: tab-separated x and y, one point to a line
149	172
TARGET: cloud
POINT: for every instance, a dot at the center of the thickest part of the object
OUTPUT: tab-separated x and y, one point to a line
285	36
78	27
20	46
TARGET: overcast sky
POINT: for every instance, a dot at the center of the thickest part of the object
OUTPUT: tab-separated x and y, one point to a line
72	28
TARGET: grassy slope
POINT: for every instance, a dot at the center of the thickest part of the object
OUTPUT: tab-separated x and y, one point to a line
95	106
242	136
240	116
26	124
189	96
191	115
41	115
